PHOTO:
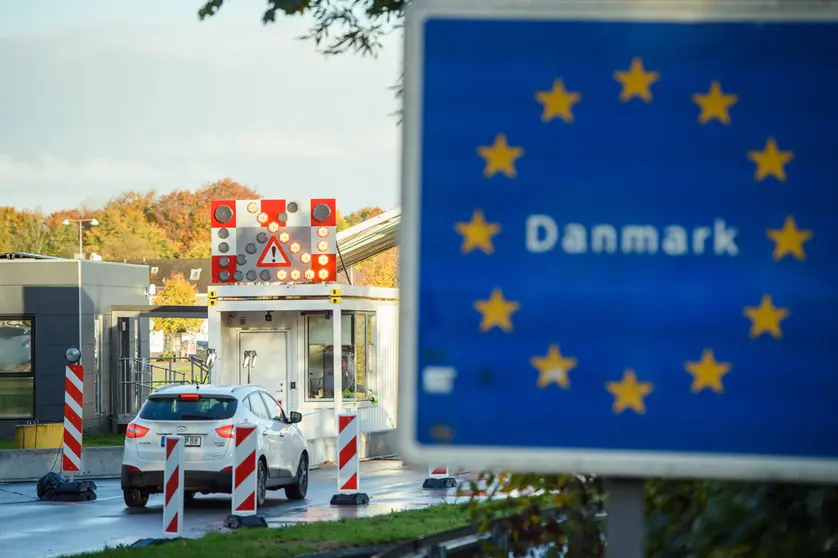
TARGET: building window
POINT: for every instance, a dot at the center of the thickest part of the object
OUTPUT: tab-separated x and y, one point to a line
356	356
17	380
195	274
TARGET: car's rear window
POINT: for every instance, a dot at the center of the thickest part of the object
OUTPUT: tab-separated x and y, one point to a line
172	408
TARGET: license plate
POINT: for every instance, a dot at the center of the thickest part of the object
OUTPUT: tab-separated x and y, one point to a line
188	441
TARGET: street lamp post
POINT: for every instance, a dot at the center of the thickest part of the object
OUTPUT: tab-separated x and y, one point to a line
81	222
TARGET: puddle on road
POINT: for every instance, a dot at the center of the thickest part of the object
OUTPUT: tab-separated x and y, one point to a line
336	513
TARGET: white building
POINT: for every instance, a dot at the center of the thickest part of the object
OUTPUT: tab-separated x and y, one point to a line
294	329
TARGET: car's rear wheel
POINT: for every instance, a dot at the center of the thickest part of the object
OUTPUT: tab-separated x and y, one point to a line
262	484
299	489
135	498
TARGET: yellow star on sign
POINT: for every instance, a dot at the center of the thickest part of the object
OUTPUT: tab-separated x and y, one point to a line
707	373
629	393
715	104
553	368
789	240
477	233
496	311
500	157
766	318
637	82
771	161
558	102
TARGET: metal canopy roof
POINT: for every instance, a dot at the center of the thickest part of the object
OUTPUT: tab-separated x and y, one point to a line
368	239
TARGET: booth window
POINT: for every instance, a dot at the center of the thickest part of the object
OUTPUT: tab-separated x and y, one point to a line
17	379
356	356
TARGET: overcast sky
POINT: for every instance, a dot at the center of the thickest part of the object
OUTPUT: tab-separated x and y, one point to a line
101	96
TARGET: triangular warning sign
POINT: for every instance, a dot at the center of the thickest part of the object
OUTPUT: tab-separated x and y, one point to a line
273	255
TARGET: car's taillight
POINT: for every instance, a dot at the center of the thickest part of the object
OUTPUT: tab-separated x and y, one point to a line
132	469
227	470
189	396
135	431
225	431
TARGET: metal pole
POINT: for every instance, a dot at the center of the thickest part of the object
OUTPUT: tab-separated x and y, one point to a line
336	362
81	256
625	528
80	307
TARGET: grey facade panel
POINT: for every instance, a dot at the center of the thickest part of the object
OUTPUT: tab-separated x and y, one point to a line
39	272
55	299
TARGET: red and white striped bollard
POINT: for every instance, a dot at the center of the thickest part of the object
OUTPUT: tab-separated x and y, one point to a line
245	478
73	413
348	464
244	470
173	487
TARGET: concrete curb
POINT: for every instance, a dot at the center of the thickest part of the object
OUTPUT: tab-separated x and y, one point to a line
30	465
106	462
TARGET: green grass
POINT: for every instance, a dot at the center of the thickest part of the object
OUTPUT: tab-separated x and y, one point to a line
299	540
96	440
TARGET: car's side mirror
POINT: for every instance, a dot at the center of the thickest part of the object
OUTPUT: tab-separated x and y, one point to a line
294	417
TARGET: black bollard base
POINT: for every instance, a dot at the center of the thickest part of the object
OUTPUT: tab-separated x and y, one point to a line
356	499
53	486
245	522
440	483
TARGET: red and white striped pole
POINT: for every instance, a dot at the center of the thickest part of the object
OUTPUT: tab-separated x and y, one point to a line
73	413
439	477
245	478
348	464
244	470
173	487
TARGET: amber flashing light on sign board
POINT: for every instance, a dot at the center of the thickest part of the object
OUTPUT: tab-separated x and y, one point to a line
323	259
323	273
295	275
273	226
262	218
295	247
252	207
305	258
323	232
284	237
309	274
322	245
281	274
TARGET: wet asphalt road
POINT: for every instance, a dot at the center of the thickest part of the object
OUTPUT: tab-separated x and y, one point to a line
33	529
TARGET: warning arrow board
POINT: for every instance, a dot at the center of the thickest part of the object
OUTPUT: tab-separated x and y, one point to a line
273	255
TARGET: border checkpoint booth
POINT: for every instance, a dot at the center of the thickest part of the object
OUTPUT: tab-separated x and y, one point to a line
278	317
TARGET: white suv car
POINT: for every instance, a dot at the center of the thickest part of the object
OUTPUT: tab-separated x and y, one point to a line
205	416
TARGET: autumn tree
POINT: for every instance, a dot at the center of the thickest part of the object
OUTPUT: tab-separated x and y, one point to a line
127	229
176	292
25	231
65	238
381	270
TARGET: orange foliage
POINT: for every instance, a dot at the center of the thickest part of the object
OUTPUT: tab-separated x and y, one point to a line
136	226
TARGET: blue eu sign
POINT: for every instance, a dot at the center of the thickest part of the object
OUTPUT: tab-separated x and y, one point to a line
620	238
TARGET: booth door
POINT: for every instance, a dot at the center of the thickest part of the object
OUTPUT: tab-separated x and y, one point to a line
270	369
